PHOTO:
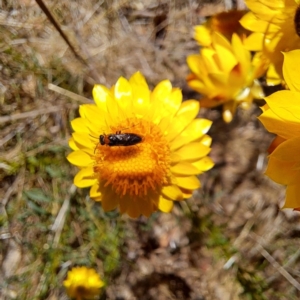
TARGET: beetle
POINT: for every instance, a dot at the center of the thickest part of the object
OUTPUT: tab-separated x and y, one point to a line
120	139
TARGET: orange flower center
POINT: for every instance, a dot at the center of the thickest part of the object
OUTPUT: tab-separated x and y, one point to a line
136	169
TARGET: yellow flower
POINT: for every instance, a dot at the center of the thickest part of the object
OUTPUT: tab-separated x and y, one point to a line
226	23
225	74
160	167
276	28
83	283
281	115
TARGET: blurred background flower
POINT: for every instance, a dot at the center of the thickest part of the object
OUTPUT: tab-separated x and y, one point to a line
281	115
151	174
225	74
83	283
226	23
275	27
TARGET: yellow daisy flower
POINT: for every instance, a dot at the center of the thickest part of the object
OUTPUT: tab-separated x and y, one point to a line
83	283
226	23
281	115
161	146
276	28
226	75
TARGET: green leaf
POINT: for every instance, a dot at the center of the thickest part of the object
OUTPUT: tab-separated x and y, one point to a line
37	195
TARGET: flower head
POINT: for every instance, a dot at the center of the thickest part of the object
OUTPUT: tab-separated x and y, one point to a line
275	26
225	74
160	167
226	23
83	283
281	115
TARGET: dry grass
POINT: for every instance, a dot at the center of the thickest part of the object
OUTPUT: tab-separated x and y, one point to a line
229	242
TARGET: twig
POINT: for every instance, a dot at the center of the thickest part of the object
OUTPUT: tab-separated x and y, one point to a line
31	114
61	217
11	189
274	263
44	8
69	94
35	151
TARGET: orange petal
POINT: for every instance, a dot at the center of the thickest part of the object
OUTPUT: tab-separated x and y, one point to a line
292	199
109	199
275	143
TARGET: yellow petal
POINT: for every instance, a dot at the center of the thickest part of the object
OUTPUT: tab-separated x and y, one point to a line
94	116
254	42
85	178
80	159
285	104
188	183
172	192
165	205
161	92
175	158
242	55
291	69
189	109
184	168
226	59
192	132
194	61
193	151
187	194
206	140
174	102
94	191
166	100
89	111
273	78
276	100
265	8
101	95
185	115
73	145
202	35
140	92
208	57
257	91
288	151
80	125
83	139
123	92
282	127
204	164
252	23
